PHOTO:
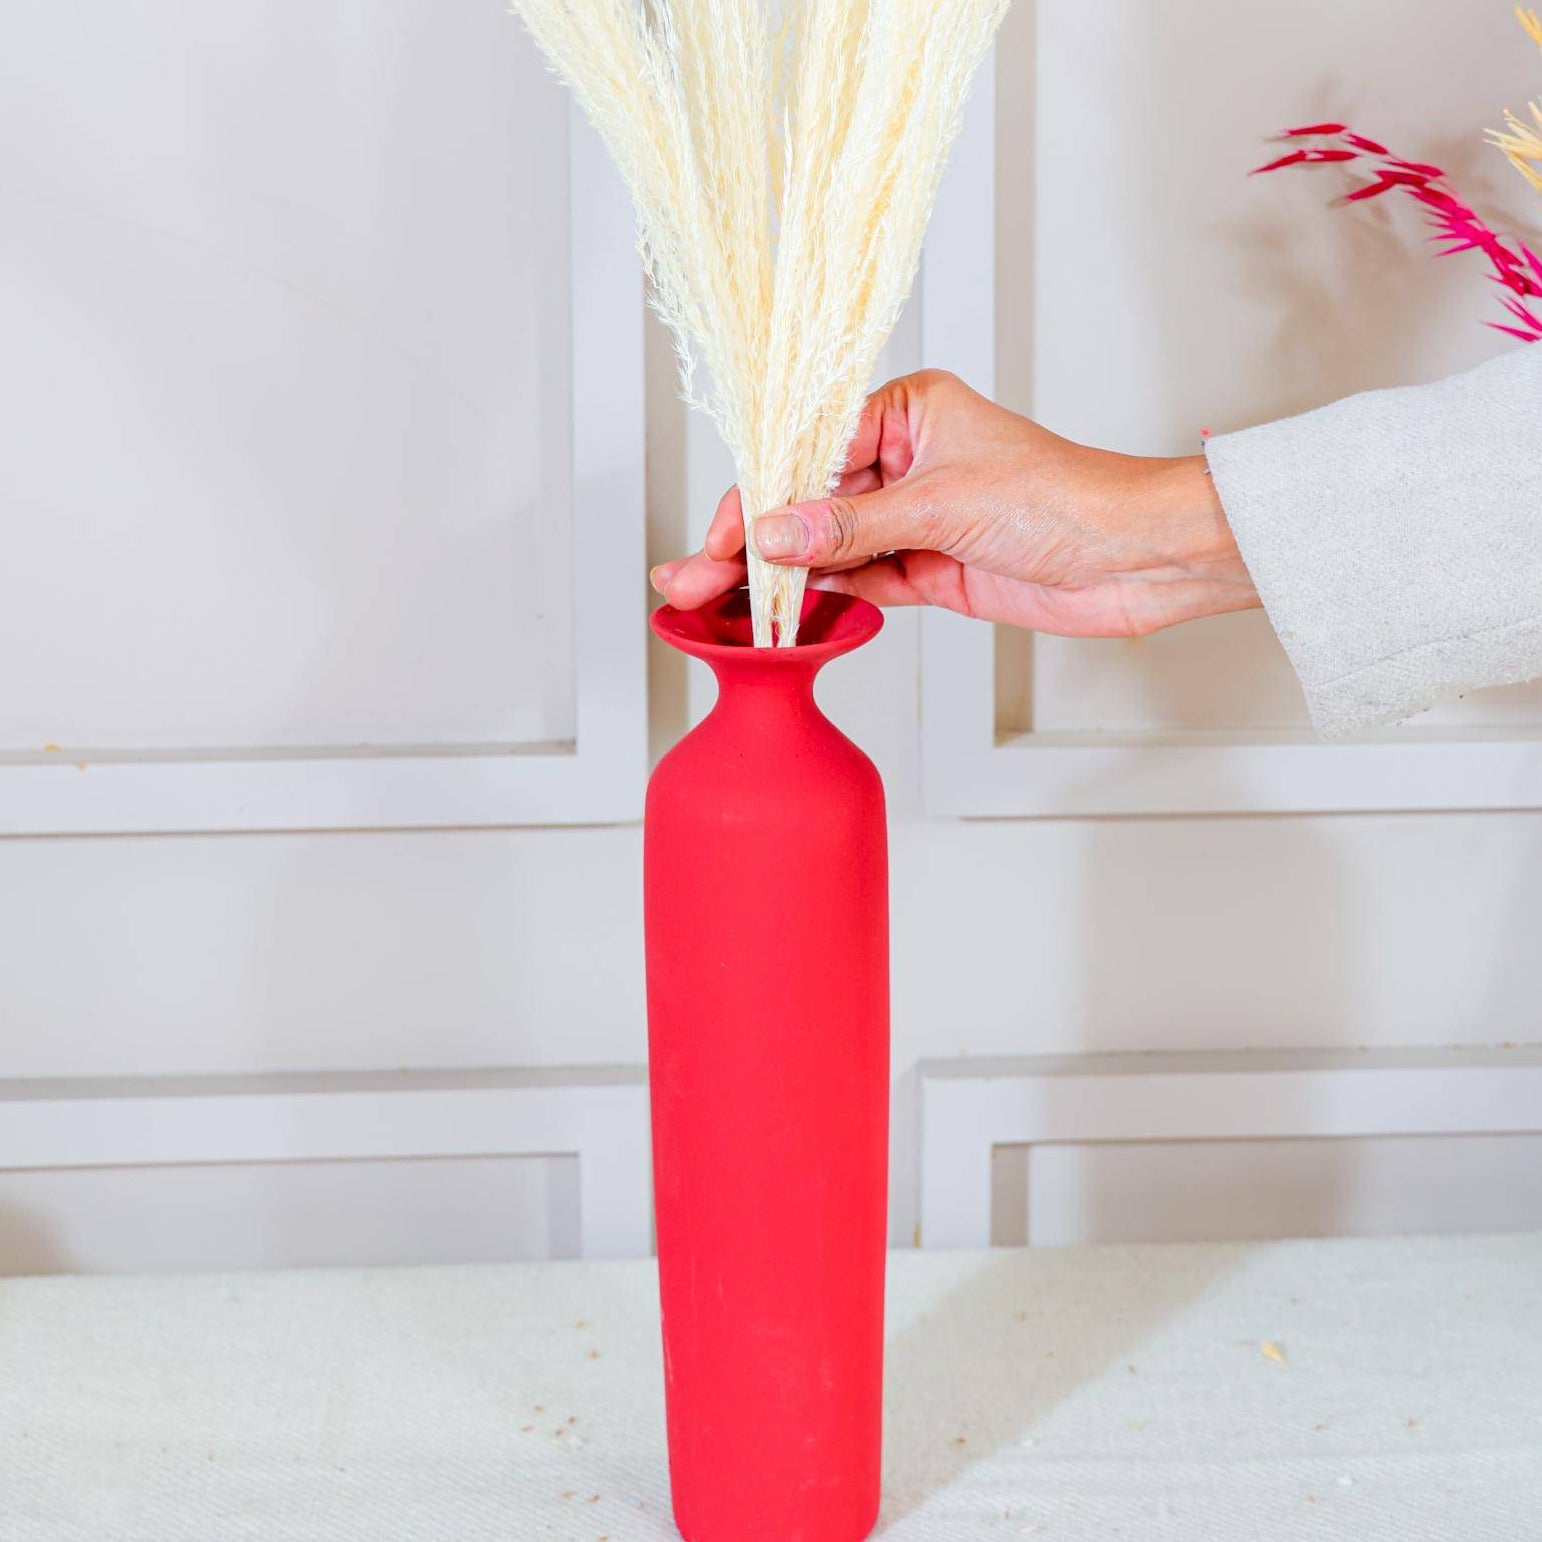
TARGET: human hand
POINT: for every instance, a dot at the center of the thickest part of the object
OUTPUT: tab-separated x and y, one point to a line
948	499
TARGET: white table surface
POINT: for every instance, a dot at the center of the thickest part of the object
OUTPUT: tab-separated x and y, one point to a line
1070	1395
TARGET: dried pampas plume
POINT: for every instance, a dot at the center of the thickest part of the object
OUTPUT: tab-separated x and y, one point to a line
1522	141
784	158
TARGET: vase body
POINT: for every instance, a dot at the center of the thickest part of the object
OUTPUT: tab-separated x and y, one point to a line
766	901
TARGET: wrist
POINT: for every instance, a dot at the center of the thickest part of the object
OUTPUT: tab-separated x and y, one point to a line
1182	531
1201	534
1156	535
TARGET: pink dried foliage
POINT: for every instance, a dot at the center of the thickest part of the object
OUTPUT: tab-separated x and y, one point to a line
1458	228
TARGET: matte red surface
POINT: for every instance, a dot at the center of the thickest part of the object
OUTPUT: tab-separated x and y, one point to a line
766	887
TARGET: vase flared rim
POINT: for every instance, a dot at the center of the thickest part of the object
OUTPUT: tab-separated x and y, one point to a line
829	625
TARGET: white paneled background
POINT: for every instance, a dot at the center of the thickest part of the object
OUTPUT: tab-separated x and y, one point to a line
291	296
1183	296
268	1215
1229	301
1223	1190
288	467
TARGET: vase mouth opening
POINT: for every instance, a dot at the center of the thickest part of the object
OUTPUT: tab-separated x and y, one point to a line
829	624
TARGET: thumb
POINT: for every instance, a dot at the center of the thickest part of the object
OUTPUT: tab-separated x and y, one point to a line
842	532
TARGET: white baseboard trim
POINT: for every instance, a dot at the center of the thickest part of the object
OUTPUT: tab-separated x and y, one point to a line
597	1114
969	1107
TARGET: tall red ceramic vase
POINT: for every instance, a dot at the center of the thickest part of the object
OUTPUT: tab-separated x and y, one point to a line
766	889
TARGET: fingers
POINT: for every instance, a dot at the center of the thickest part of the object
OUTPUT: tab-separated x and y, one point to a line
885	437
725	536
881	451
869	513
842	531
865	479
906	578
718	567
883	582
692	581
863	449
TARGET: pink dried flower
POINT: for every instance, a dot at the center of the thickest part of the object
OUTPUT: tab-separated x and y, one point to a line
1458	227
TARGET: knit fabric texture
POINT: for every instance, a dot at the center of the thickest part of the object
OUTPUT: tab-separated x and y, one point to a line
1395	540
1366	1390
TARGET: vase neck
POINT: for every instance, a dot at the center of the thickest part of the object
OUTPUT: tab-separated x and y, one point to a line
763	685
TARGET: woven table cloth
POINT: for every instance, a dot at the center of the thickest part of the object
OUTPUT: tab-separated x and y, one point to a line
1365	1390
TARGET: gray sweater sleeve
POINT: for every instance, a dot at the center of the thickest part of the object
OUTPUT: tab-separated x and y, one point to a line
1395	539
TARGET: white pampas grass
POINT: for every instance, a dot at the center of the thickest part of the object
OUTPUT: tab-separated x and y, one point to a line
1520	141
784	159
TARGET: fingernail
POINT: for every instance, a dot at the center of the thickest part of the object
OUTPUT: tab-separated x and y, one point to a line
780	535
659	578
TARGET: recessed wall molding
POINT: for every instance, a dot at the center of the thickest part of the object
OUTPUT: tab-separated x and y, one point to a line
598	1114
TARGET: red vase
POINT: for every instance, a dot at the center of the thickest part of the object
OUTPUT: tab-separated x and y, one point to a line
766	896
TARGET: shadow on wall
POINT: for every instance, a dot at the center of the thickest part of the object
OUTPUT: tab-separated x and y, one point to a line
668	528
1360	298
1216	933
28	1245
1219	933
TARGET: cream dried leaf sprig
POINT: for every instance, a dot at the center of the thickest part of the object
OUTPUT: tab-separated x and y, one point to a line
784	160
1522	141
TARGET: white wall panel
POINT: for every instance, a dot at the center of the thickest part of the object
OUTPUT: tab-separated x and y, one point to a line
1183	295
1186	295
284	289
156	955
326	393
1147	288
1225	1190
290	1215
214	954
